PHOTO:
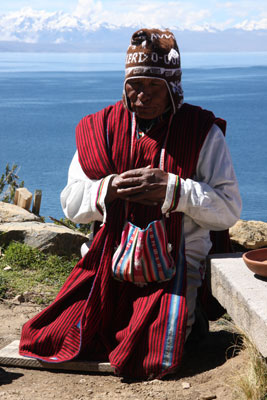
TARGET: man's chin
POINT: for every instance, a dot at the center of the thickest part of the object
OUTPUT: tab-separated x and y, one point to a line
146	113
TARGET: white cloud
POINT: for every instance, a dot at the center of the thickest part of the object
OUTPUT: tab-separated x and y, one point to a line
156	13
242	8
208	15
59	41
88	8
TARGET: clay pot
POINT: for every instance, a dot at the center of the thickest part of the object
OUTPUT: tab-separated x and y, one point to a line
256	261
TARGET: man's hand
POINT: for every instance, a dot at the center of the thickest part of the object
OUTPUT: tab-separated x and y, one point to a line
143	185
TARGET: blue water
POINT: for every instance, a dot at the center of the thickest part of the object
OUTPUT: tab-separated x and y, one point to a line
43	97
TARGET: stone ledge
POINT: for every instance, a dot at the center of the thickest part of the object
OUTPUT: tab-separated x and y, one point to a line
47	237
12	213
242	294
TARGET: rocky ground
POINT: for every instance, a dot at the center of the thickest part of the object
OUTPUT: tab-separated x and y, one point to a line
207	372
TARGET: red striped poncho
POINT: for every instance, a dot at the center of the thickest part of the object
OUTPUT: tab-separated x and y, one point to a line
141	331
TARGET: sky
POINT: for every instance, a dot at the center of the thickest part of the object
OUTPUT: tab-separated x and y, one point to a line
221	14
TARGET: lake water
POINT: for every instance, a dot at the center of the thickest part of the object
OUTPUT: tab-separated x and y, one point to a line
43	97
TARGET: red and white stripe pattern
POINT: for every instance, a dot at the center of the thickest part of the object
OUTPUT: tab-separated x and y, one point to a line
143	255
141	331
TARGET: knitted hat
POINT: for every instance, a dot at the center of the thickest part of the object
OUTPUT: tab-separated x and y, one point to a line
154	53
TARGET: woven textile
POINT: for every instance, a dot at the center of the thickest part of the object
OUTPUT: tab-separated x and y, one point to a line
143	255
154	53
141	331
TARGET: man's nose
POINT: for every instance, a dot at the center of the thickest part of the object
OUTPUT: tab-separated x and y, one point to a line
143	95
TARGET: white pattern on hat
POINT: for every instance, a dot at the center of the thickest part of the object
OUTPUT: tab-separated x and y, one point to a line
153	70
173	54
154	53
144	44
176	87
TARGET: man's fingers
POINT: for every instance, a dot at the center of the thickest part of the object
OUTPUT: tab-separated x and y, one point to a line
128	191
136	172
142	195
142	185
136	180
129	183
132	172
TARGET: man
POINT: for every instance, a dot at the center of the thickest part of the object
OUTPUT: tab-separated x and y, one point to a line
145	159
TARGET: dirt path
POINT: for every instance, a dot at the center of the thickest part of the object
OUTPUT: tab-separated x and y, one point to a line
206	373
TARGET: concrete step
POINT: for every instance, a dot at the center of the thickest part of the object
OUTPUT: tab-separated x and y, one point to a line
243	294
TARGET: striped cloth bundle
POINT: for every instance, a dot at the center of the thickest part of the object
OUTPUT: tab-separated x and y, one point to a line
143	255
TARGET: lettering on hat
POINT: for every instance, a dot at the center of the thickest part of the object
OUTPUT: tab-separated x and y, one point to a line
153	53
141	57
137	57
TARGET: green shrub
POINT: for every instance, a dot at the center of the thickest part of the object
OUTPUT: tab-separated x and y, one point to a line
9	182
83	228
21	257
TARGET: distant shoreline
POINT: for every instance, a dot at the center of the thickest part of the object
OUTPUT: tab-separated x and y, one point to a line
116	39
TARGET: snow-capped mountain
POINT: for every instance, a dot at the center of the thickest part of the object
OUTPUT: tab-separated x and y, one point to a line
31	30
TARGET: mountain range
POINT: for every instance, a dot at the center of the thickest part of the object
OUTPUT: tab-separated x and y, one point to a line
39	31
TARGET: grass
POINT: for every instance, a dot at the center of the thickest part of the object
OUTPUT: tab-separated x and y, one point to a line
29	270
251	384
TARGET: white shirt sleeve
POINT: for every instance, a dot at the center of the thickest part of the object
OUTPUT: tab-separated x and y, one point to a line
83	199
212	197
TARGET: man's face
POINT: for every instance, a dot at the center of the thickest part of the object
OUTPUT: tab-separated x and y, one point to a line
149	97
